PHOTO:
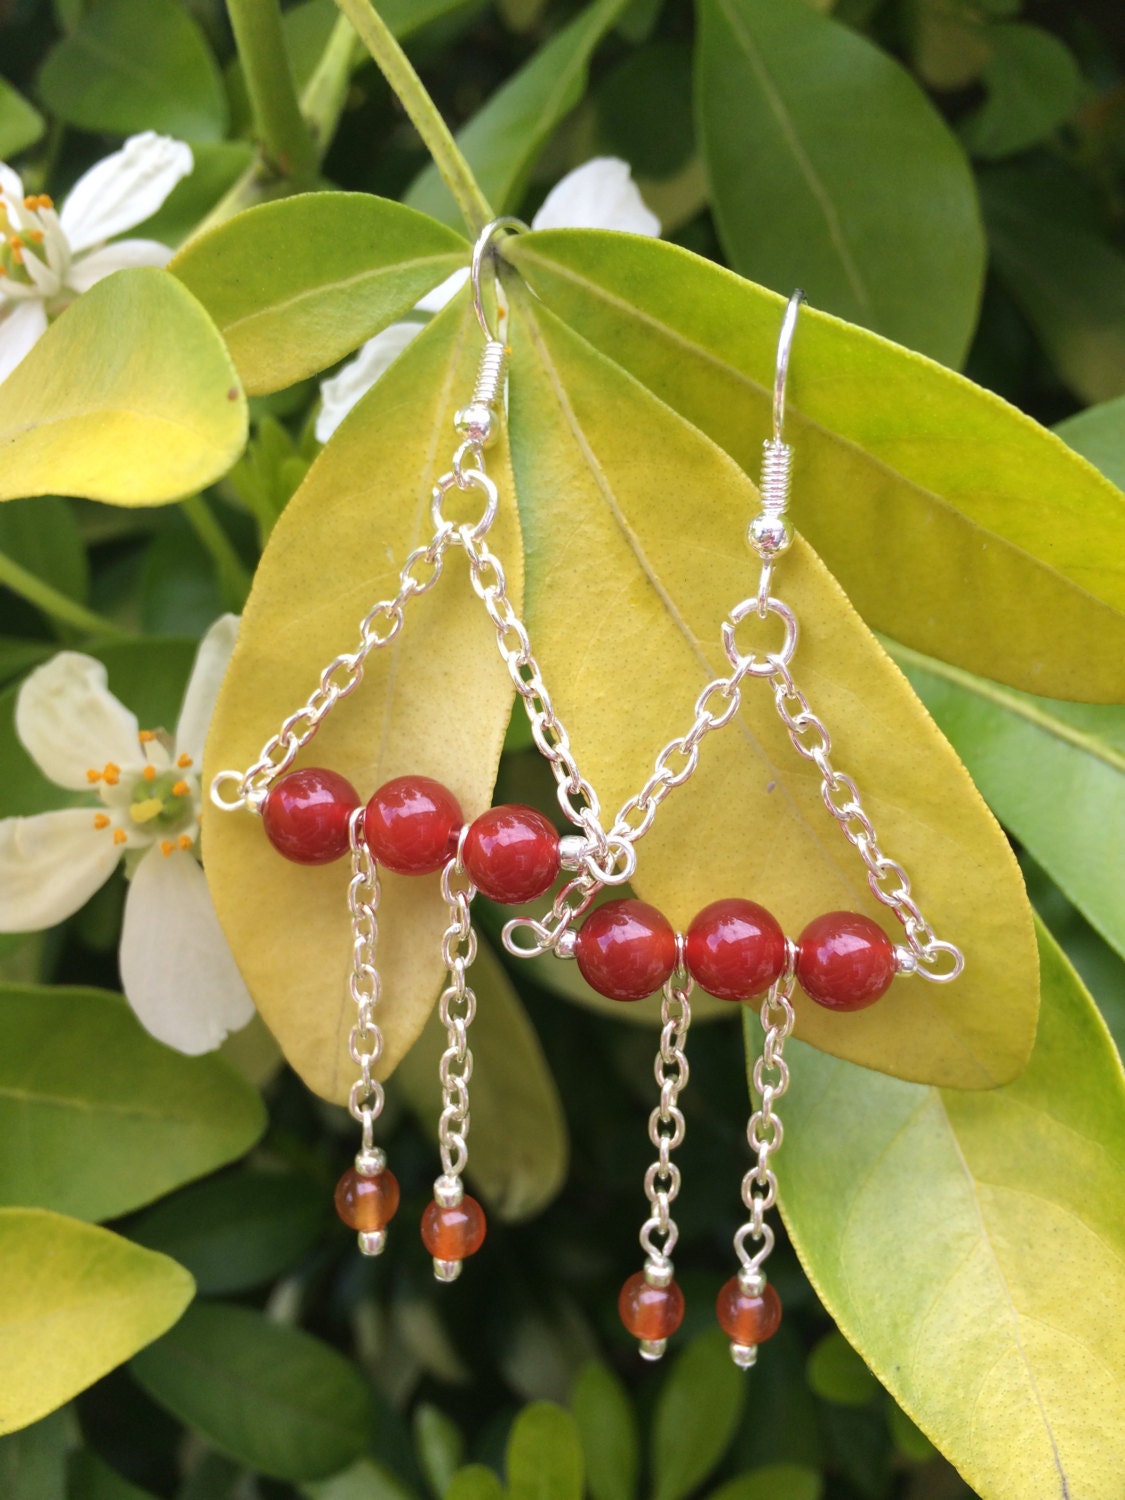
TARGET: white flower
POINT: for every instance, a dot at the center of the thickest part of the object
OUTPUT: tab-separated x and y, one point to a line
600	194
49	257
177	971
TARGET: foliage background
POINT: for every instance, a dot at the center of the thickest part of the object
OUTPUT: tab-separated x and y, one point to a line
394	1384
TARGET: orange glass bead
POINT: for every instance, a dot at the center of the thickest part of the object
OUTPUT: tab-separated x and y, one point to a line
650	1313
748	1320
367	1203
453	1233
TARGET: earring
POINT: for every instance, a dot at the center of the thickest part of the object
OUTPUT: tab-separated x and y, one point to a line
626	949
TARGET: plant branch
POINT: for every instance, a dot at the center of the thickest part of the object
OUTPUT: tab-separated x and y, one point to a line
280	126
234	580
407	86
53	603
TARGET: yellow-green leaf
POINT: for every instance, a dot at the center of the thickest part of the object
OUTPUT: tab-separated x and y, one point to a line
972	1247
518	1142
75	1301
129	397
634	528
436	701
933	502
295	285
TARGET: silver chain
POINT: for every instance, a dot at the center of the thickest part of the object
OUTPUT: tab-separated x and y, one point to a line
365	1043
457	1007
666	1126
764	1130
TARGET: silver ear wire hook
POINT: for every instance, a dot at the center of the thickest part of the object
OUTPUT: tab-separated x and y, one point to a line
480	252
784	349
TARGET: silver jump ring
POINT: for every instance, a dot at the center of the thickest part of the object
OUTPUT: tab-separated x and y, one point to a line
480	251
751	665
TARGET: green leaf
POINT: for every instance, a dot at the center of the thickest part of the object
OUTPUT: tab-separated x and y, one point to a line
1101	970
1068	280
519	1141
129	397
503	140
33	1460
932	501
1053	773
238	1231
475	1482
608	1430
971	1246
775	1482
21	124
544	1457
363	1480
837	1374
605	477
42	535
133	65
294	286
697	1414
1098	433
439	1445
75	1301
91	1479
272	1397
442	669
98	1141
1033	84
830	169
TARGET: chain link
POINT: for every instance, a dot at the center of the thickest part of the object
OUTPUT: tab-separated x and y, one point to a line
365	1043
666	1123
764	1130
457	1007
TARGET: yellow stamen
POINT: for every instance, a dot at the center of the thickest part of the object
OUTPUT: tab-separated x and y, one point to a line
183	761
166	847
119	836
3	270
181	789
149	773
93	776
146	736
15	245
111	773
101	820
35	235
46	201
144	812
185	841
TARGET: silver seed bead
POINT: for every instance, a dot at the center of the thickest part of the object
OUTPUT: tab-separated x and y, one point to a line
769	535
659	1272
653	1349
745	1356
567	943
371	1162
446	1270
753	1283
448	1191
906	960
478	423
372	1241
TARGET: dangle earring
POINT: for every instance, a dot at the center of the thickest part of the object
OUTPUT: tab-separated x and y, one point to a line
626	949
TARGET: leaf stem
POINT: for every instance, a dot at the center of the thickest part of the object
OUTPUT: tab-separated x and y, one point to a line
408	87
233	576
280	126
53	603
323	97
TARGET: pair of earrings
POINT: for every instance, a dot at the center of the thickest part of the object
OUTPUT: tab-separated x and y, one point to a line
625	948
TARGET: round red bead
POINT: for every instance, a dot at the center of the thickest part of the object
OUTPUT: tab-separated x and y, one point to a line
845	960
745	1319
650	1312
734	949
367	1203
306	815
452	1233
626	950
412	824
512	854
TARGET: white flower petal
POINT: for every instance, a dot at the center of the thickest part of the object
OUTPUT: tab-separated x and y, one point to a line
47	283
51	865
120	256
203	685
434	301
600	194
11	187
69	722
22	325
344	390
176	968
124	189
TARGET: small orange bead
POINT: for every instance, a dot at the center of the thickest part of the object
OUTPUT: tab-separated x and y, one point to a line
453	1233
367	1203
748	1320
650	1312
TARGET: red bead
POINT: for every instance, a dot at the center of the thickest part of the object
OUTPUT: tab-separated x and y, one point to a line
748	1320
367	1203
512	854
626	950
734	949
412	824
844	960
650	1312
453	1233
306	815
